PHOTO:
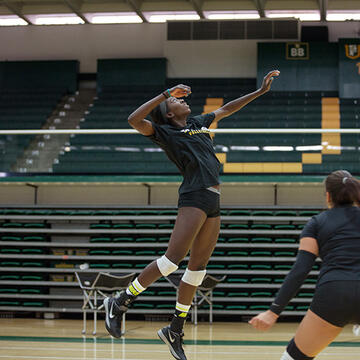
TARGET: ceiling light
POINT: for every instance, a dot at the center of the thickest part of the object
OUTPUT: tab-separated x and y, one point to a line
302	15
113	18
56	19
338	15
241	15
163	17
12	21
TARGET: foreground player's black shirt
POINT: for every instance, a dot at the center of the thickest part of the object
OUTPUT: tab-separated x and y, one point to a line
337	232
191	150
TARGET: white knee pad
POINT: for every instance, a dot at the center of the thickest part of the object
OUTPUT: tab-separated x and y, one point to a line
165	266
193	278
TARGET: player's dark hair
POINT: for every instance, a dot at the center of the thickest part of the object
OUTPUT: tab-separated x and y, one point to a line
158	115
343	188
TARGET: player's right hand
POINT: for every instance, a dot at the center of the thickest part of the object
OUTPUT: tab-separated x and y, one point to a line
264	321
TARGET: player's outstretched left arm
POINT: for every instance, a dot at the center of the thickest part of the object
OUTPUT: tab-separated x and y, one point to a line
235	105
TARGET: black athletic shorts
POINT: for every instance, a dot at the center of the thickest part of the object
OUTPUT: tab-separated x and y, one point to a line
205	200
338	302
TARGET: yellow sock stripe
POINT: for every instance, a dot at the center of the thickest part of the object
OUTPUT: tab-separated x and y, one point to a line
182	308
136	287
133	290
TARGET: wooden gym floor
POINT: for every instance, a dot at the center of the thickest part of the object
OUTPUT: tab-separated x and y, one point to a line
38	339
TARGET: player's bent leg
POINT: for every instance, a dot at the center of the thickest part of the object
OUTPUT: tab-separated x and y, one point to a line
201	251
187	225
313	335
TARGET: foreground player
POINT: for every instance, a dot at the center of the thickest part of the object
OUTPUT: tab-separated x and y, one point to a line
334	235
187	142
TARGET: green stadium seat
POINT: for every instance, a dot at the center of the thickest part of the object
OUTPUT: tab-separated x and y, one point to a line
289	253
262	213
12	225
260	240
238	226
259	307
238	294
260	227
239	213
167	293
285	213
9	303
285	241
9	277
145	226
238	267
237	280
122	252
282	267
32	251
243	240
32	278
35	238
164	239
261	294
100	239
10	238
33	264
9	263
215	266
33	303
145	252
123	226
260	253
146	239
238	253
139	305
35	225
122	239
236	307
99	266
258	280
100	226
122	265
260	267
308	212
9	251
166	226
99	252
30	291
284	227
8	291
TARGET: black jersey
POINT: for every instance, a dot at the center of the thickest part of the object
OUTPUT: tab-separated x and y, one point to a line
337	232
191	149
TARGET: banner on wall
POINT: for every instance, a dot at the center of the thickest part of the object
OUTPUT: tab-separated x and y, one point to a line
349	68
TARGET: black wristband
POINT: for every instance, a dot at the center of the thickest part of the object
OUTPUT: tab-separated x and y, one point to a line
293	281
166	94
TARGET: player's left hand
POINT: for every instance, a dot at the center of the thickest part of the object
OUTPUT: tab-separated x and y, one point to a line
264	321
268	79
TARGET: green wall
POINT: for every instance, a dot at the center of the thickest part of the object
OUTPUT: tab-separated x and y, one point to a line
39	74
318	73
349	68
120	72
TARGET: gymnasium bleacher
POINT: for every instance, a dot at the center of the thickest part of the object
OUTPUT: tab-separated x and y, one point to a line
23	110
42	247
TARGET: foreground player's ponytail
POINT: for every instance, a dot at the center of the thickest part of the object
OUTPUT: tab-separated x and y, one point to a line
343	188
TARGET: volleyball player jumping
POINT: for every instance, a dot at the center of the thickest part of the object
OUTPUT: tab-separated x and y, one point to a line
334	235
187	143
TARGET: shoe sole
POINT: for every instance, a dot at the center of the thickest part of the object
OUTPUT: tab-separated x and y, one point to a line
106	307
166	341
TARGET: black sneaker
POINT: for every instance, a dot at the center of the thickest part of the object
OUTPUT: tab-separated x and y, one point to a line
115	307
174	341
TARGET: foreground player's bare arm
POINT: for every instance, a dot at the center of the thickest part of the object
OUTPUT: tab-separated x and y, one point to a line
237	104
